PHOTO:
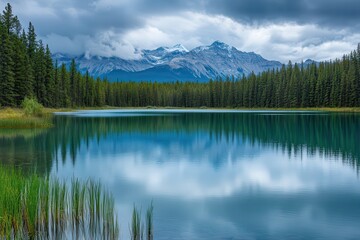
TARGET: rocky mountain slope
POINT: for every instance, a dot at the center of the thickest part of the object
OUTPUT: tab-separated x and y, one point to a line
175	63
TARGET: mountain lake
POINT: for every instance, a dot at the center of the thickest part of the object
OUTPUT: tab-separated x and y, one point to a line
210	174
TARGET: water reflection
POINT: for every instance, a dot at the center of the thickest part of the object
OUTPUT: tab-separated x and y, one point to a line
261	175
209	137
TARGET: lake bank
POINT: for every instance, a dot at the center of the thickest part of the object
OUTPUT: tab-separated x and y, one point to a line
323	109
15	118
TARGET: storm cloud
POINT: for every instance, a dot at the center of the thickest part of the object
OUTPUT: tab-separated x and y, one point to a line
279	29
329	13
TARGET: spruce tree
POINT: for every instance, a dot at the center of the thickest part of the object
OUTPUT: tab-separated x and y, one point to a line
49	79
8	20
23	87
40	74
7	84
57	87
65	96
73	83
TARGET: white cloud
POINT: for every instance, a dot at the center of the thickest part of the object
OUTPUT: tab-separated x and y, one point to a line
283	42
132	24
109	44
64	44
148	37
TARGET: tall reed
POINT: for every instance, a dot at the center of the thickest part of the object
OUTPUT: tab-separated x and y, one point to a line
149	223
137	227
32	207
41	208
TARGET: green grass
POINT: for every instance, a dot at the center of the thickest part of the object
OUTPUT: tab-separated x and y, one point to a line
25	123
17	119
32	207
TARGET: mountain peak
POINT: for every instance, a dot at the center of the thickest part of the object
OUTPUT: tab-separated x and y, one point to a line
175	48
180	48
176	62
219	44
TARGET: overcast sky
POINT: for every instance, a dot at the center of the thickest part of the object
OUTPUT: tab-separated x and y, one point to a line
278	29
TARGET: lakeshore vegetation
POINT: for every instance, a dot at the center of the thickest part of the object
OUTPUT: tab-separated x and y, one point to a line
32	115
27	70
33	207
40	207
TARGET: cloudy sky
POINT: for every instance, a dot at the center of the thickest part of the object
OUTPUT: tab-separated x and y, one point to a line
277	29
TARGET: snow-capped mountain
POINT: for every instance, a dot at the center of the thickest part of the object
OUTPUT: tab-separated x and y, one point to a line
174	63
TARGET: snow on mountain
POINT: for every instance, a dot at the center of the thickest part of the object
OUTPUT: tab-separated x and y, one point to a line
177	47
175	63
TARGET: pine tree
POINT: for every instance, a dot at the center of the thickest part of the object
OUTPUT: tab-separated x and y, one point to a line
7	84
57	87
31	40
23	88
8	20
40	74
65	87
49	79
73	83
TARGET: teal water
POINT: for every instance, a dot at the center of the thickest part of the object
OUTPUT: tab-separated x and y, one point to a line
210	175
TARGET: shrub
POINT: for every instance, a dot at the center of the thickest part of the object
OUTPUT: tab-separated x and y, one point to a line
32	107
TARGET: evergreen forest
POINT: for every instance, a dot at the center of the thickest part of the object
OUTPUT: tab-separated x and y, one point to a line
27	70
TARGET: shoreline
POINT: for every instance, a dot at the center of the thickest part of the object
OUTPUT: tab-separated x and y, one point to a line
14	118
314	109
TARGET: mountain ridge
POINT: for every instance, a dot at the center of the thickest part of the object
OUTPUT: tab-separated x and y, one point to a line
166	64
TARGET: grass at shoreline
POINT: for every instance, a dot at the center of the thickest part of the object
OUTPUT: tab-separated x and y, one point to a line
33	207
13	118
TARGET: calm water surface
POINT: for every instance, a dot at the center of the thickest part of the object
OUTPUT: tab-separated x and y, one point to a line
210	175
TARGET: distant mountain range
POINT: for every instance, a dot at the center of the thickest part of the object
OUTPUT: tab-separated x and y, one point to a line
175	63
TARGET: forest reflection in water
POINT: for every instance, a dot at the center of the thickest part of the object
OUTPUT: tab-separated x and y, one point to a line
334	135
211	175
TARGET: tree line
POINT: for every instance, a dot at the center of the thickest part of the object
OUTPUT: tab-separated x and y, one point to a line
27	70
